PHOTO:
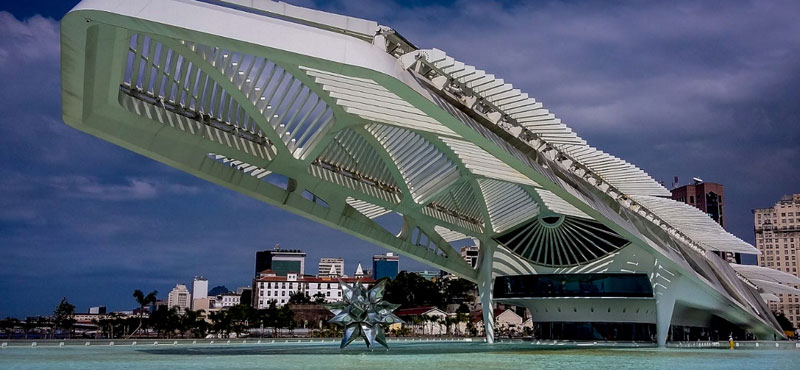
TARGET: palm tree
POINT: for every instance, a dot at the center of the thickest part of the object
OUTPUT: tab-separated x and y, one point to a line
190	320
166	321
28	325
424	319
63	316
221	322
9	324
416	320
143	300
461	317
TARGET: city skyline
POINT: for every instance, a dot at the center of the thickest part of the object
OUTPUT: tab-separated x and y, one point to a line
81	216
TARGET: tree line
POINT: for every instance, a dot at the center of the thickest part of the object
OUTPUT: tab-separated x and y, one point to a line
408	289
60	323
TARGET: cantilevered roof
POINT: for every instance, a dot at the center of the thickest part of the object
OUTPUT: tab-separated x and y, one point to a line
764	273
770	297
518	112
774	287
695	224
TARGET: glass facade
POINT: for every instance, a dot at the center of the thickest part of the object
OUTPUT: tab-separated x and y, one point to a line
282	268
385	268
595	331
572	285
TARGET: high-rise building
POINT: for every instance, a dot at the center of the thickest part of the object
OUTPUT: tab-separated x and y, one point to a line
777	231
199	287
385	265
470	254
179	297
281	261
200	293
708	197
331	267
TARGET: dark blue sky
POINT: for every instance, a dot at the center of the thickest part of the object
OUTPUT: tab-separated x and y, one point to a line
680	88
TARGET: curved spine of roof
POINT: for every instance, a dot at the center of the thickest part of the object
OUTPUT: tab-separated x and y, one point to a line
359	28
516	112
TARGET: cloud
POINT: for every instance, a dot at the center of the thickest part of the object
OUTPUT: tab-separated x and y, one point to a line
87	188
134	189
684	88
33	40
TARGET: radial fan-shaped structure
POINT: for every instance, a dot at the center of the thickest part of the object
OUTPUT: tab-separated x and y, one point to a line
562	241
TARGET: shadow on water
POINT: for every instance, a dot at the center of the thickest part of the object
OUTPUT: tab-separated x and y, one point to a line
353	349
416	349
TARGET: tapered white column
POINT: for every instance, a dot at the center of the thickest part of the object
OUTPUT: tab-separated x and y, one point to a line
665	305
485	285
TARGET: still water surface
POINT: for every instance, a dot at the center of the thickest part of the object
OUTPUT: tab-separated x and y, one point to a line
417	356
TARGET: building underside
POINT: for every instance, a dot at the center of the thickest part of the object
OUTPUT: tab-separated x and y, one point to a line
345	122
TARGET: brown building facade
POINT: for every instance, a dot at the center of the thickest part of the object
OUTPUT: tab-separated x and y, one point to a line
777	231
709	197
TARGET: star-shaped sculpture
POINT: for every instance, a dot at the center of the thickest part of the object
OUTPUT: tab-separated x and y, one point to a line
363	313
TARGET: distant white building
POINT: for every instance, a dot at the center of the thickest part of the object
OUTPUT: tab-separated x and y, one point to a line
470	254
428	320
331	267
97	310
229	299
508	319
179	297
200	287
200	293
271	287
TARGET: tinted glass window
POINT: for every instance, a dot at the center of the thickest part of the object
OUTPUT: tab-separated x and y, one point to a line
572	285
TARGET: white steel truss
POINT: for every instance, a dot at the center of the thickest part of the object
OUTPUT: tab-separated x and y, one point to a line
344	122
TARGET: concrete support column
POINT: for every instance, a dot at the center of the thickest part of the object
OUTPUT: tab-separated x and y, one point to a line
485	286
665	305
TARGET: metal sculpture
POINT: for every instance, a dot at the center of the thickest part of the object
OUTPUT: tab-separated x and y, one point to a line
363	313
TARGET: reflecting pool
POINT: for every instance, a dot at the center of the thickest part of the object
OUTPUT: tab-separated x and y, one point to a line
402	355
